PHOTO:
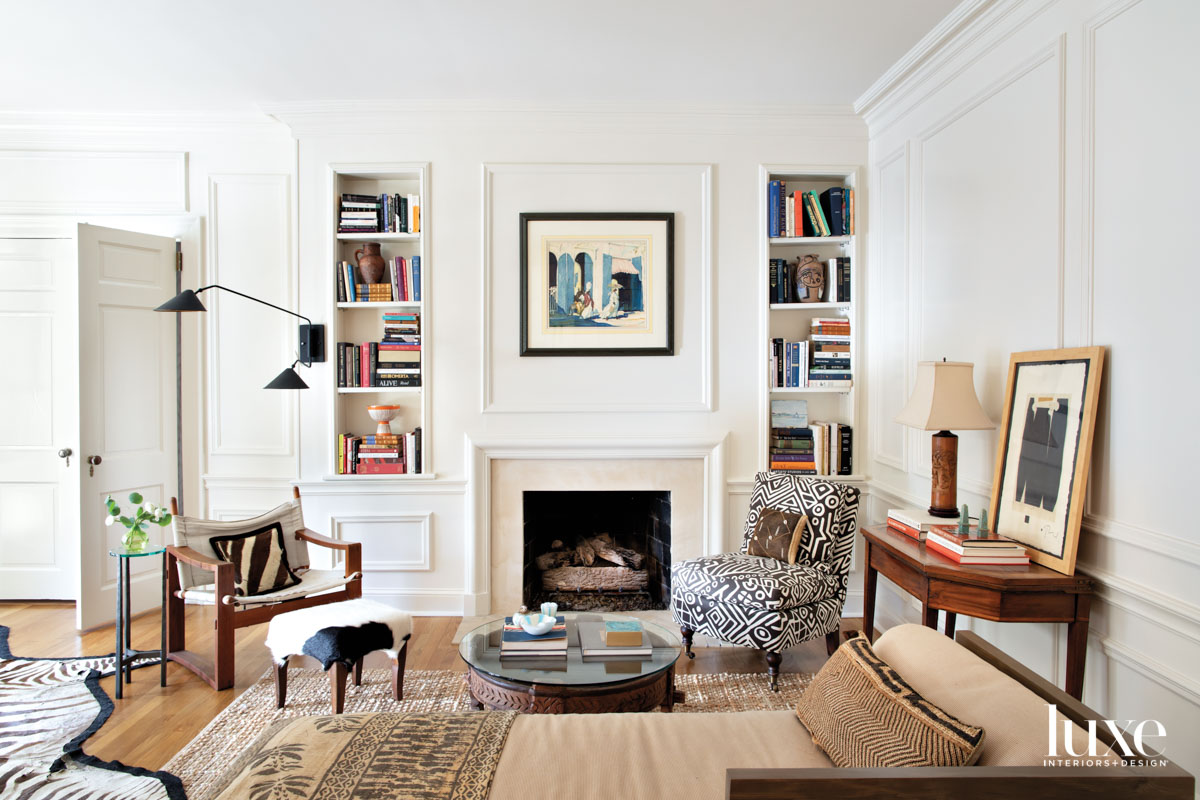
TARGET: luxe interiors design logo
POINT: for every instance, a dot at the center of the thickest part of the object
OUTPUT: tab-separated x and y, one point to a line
1130	747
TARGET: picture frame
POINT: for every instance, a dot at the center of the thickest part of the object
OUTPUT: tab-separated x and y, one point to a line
597	284
1040	480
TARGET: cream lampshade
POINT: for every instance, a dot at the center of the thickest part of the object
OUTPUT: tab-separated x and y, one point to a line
944	399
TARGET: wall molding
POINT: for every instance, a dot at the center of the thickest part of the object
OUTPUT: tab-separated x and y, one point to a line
705	270
423	488
422	518
163	175
482	451
1153	670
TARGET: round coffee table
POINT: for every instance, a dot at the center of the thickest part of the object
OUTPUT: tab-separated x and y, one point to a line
571	685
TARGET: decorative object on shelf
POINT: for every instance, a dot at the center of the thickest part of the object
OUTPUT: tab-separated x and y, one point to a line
944	399
597	284
1042	464
370	262
136	537
312	337
384	416
810	279
964	520
983	521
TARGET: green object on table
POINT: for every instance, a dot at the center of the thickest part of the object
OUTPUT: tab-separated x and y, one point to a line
983	528
964	520
135	537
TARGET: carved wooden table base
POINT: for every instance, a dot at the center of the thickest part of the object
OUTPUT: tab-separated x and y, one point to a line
638	694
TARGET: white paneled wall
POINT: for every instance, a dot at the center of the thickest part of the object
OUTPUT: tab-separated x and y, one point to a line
1032	183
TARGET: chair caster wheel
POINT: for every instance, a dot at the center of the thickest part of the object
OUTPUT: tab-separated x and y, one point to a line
691	654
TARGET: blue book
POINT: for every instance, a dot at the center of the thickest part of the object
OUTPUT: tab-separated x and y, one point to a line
515	634
775	191
796	365
416	270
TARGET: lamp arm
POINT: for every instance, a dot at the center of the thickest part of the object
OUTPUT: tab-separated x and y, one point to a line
255	299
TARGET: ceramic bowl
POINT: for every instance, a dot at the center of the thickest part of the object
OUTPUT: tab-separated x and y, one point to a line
536	626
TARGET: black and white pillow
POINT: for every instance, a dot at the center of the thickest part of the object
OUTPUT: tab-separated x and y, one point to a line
260	562
831	508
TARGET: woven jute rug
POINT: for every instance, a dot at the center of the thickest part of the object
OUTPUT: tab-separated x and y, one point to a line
201	762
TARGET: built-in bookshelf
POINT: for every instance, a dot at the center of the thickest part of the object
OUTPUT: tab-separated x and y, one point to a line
808	344
378	346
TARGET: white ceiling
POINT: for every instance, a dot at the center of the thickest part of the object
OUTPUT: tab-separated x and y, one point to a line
156	55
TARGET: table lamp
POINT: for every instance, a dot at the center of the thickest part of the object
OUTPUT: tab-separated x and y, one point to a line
944	399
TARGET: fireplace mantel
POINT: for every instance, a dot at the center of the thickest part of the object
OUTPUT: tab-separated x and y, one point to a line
696	465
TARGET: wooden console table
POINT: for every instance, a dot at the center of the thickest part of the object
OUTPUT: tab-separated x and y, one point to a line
1030	593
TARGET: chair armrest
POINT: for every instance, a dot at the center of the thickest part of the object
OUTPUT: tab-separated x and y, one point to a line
197	559
353	550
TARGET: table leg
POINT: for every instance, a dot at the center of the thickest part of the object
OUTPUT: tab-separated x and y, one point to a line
162	639
1077	636
337	686
951	617
358	671
119	655
929	615
870	577
668	704
281	684
128	621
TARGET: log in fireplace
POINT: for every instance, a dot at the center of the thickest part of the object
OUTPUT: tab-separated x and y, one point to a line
597	550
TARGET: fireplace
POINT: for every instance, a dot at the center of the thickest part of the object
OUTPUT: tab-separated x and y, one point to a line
597	550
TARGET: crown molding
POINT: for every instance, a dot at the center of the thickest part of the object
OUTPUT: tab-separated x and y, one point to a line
136	122
330	117
961	28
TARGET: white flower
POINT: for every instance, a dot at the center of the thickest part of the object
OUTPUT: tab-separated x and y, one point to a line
109	520
158	514
148	507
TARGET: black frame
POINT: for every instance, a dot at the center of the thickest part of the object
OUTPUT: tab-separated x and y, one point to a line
603	216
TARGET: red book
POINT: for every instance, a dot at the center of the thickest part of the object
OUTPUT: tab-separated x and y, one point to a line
983	559
394	468
907	530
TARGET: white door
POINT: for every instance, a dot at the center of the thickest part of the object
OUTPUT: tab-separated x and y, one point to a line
39	416
127	405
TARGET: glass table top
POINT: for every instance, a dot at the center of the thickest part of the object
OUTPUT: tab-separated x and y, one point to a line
148	550
481	649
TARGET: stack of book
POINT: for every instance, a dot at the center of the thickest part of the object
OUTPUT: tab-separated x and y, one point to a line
912	522
386	213
791	438
516	643
805	213
403	283
393	454
789	364
833	448
829	343
837	280
621	639
974	547
393	362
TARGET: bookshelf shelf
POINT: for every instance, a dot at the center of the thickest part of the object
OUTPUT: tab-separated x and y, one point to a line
782	323
362	324
379	237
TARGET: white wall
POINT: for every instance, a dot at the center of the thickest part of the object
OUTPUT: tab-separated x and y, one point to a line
486	165
1033	175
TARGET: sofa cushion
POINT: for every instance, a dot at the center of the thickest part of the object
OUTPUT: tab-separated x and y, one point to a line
777	535
863	714
831	508
965	685
752	581
645	756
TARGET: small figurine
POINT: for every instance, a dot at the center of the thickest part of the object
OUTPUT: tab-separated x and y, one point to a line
810	279
983	528
964	521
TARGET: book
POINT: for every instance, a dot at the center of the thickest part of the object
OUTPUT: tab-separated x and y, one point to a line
821	223
514	639
973	538
831	207
622	633
983	559
774	192
915	518
1002	550
591	643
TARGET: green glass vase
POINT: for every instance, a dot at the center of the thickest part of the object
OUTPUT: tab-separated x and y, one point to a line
134	540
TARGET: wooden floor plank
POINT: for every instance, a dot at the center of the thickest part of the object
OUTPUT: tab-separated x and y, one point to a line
176	713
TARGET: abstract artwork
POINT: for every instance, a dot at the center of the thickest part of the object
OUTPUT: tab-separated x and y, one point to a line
1042	466
597	284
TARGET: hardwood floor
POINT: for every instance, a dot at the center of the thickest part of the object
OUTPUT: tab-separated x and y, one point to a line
151	723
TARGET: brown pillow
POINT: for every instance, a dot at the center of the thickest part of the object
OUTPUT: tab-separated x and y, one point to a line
260	562
863	714
777	534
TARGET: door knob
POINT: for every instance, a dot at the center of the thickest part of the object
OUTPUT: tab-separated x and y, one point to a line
65	453
92	462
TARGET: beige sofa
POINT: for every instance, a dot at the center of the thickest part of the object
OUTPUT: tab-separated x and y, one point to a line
690	756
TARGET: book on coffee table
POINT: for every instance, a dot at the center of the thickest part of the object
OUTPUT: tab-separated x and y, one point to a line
591	643
514	641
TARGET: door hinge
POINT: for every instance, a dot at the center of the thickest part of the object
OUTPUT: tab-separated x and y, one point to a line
178	256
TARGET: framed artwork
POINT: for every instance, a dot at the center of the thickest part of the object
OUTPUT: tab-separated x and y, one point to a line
1042	465
597	284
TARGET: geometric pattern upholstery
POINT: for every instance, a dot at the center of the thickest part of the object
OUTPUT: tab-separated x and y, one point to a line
764	603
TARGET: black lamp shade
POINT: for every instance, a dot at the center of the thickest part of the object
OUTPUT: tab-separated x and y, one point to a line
184	301
288	379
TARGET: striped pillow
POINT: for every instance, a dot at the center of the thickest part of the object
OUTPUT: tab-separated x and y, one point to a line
863	714
260	563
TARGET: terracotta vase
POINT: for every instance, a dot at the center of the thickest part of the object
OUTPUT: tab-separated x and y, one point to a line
370	263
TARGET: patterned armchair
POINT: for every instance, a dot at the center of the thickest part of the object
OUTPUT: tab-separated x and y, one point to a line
769	604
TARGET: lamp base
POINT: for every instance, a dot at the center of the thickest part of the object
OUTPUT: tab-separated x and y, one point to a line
943	501
948	513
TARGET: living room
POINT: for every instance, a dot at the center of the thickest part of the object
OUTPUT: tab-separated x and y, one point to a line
976	170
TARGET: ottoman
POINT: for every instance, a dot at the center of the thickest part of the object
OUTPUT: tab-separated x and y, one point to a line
340	635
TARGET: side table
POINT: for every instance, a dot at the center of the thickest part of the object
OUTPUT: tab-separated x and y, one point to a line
1027	593
125	654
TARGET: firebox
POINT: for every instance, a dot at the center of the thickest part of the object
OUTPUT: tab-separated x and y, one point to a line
597	551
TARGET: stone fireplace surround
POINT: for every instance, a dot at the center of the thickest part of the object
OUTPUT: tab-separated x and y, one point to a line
502	469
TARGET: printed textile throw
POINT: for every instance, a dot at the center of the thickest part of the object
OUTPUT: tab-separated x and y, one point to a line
259	559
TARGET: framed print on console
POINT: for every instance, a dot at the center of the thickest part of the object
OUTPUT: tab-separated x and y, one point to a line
598	284
1042	466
